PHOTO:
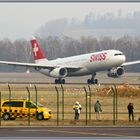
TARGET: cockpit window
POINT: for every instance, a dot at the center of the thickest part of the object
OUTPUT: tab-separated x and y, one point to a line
116	54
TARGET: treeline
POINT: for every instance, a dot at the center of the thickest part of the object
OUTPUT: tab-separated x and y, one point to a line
59	47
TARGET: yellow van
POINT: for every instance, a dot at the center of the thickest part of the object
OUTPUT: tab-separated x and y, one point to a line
12	109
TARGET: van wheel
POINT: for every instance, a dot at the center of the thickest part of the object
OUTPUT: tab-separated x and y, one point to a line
6	116
40	116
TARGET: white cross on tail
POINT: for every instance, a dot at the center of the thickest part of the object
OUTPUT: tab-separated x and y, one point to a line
35	49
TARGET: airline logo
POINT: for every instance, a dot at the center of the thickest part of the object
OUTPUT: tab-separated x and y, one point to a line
98	57
36	50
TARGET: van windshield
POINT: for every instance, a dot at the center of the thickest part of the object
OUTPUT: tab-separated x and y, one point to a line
39	104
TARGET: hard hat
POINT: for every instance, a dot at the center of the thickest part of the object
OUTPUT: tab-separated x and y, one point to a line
77	102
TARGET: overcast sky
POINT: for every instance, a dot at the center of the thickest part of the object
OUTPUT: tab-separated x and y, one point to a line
21	20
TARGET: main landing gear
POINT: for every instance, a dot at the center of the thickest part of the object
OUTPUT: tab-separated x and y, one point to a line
89	81
59	81
92	80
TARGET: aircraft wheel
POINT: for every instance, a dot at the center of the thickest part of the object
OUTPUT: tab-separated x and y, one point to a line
56	81
89	81
92	82
59	81
63	81
96	81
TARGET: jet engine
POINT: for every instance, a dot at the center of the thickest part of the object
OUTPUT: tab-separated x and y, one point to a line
116	72
59	72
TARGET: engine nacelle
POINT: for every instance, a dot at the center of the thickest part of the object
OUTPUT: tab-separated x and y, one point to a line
59	72
116	72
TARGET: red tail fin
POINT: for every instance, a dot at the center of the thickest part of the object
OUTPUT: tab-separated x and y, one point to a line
38	54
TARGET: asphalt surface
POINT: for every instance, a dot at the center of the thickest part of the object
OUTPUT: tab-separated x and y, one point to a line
58	132
38	78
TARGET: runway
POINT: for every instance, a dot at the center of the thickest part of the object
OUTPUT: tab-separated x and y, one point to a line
38	78
70	132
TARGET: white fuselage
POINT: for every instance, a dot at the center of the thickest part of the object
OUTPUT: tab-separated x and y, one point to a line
89	63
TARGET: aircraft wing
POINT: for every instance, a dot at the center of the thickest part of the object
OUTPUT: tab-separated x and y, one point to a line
131	63
33	65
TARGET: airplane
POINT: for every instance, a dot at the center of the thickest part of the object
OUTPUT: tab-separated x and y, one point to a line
85	64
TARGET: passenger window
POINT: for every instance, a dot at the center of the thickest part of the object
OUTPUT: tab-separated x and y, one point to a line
17	104
7	104
30	105
13	104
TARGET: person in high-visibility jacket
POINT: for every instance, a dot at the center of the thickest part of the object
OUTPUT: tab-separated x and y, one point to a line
77	107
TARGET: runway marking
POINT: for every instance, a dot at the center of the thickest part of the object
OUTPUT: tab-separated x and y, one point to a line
81	133
93	134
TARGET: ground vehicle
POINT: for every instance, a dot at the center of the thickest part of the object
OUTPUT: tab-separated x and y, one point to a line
14	108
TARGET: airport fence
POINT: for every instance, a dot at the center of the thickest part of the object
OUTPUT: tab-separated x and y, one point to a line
60	99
